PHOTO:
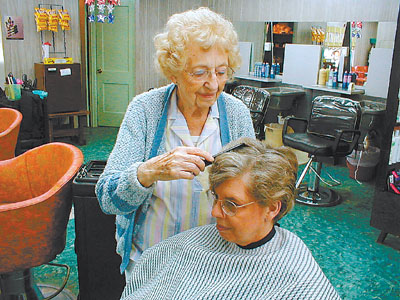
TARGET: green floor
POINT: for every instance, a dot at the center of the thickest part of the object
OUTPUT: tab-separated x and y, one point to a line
340	237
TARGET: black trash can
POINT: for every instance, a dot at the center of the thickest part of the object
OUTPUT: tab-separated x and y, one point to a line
98	263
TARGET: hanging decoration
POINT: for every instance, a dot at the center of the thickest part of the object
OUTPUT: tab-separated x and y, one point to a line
91	6
104	10
356	29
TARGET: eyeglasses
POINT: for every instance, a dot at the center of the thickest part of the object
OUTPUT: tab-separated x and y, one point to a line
228	207
222	73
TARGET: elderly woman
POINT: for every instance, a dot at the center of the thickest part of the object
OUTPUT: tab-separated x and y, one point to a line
154	180
243	256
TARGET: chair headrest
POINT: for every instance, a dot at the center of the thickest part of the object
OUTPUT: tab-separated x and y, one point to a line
330	114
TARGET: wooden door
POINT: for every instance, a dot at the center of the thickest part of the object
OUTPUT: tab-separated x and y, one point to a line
114	65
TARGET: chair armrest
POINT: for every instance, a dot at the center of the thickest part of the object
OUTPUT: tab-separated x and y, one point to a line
290	121
353	143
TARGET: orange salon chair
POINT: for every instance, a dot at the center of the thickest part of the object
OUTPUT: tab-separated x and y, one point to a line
35	204
10	121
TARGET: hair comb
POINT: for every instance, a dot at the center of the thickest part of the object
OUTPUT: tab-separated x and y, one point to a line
228	149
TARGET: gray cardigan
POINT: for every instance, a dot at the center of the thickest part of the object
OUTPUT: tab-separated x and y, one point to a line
118	190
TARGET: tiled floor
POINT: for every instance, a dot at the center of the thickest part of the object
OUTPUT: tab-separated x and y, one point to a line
340	237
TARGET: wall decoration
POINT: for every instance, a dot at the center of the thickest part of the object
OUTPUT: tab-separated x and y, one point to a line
14	28
102	5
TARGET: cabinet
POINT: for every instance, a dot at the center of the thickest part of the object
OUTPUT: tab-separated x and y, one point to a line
63	84
64	100
280	35
32	132
385	214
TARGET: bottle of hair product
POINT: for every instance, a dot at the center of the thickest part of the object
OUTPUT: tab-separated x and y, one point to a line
348	80
263	70
272	75
344	81
257	70
335	79
326	75
278	69
267	70
330	80
321	77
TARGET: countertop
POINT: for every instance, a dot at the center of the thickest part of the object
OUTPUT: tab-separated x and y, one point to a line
261	79
339	90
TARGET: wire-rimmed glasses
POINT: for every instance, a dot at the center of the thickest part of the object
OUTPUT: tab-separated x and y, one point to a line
228	207
202	74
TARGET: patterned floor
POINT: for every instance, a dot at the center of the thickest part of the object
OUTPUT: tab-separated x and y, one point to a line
340	237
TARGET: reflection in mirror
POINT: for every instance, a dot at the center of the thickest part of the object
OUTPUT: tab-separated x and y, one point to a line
358	39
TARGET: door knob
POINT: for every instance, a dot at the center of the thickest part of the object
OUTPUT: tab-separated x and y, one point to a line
99	71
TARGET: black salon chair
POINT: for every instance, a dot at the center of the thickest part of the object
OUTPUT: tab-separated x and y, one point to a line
257	101
330	131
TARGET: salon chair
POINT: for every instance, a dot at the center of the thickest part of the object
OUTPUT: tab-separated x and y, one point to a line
35	204
331	130
10	121
257	101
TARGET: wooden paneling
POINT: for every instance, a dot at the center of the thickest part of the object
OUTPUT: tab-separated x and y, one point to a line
252	32
20	55
151	16
2	73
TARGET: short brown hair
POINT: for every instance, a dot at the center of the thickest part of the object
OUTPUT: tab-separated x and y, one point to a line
272	172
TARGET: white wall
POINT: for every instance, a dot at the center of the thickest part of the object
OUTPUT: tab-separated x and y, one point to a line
20	55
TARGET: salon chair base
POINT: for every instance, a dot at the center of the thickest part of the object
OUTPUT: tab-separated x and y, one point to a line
20	285
323	197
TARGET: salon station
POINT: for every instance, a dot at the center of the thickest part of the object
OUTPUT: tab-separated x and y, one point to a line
77	154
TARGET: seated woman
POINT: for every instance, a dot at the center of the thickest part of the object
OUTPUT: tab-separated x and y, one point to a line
245	255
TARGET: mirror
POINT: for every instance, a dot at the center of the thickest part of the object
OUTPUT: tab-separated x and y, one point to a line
358	38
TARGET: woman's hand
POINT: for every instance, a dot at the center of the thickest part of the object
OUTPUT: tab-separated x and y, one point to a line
180	163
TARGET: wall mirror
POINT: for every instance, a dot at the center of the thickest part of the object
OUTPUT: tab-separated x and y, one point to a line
269	38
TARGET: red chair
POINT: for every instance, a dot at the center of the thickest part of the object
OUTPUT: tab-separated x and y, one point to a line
10	121
35	204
